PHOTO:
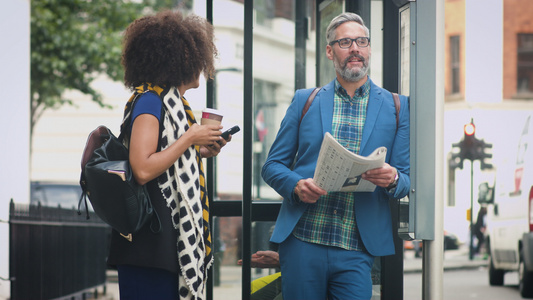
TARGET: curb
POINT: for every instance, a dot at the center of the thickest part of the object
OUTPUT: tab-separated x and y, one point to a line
467	266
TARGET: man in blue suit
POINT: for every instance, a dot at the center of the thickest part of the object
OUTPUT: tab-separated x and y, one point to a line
328	241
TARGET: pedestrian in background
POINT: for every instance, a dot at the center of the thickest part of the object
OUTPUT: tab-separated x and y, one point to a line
479	229
328	241
163	57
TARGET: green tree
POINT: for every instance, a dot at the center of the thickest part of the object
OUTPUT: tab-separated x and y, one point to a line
74	41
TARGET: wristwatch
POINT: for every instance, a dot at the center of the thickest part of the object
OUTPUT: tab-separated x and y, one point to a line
395	182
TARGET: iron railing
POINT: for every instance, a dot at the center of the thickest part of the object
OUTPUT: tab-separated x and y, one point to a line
54	253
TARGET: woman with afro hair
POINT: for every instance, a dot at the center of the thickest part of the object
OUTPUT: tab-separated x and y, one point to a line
164	56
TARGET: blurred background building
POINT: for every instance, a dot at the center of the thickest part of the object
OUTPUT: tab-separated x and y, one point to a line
488	79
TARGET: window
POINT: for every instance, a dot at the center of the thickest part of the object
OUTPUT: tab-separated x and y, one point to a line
264	12
405	50
267	10
265	128
525	63
455	64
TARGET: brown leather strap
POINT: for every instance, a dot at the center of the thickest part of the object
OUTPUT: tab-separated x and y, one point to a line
308	103
397	105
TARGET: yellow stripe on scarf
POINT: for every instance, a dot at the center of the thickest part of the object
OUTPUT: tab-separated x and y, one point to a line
191	120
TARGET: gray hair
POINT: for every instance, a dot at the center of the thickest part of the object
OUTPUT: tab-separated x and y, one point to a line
341	19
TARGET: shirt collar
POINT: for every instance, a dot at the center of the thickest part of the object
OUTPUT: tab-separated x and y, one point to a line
361	92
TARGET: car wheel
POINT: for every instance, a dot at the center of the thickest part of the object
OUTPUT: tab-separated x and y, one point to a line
525	279
495	276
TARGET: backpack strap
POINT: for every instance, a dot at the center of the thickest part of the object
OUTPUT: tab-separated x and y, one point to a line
128	121
397	105
304	111
308	103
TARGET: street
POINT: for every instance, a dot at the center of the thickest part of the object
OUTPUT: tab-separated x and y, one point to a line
465	284
458	285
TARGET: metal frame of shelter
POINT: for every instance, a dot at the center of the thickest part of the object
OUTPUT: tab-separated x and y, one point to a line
250	211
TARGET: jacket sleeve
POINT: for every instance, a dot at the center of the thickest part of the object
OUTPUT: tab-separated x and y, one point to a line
277	169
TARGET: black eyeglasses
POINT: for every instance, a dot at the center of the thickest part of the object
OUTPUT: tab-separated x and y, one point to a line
345	43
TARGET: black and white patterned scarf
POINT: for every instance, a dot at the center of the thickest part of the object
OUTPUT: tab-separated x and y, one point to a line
183	187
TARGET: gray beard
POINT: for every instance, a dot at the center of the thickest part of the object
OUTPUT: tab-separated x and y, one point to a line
351	75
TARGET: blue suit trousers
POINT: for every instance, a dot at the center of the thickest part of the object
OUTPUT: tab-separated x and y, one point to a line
313	271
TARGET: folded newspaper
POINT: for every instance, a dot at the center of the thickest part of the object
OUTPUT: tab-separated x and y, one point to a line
339	170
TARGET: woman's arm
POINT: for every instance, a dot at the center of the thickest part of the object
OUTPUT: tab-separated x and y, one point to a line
146	162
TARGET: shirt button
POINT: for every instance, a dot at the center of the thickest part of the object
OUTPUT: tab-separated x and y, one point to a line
335	212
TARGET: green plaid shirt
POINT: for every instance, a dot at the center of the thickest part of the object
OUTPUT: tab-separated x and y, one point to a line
331	220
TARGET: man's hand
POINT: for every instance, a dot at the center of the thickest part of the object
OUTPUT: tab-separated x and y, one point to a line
382	177
264	259
308	191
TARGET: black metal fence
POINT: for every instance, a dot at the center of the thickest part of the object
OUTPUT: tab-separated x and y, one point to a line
54	253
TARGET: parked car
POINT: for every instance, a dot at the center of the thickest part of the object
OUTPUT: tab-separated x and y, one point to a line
49	193
510	216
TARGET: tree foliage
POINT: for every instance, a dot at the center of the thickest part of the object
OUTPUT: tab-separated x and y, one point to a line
73	41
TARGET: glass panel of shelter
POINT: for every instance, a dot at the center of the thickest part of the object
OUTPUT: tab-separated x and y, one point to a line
274	62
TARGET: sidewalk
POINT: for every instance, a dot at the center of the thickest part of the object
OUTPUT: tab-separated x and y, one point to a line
453	260
230	286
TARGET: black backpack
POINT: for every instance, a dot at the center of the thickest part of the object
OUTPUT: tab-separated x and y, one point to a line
107	180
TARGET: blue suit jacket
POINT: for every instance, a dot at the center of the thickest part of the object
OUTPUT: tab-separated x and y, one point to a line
303	142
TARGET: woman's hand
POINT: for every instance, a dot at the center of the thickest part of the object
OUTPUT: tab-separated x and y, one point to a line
213	149
204	135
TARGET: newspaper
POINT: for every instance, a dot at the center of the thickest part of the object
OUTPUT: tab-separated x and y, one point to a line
339	170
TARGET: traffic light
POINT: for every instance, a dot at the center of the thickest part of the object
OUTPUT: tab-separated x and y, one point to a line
456	160
470	145
483	154
471	148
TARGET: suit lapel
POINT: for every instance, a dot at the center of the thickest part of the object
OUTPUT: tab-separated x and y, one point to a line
375	100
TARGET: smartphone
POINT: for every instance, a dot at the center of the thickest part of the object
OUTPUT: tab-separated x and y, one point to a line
232	130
